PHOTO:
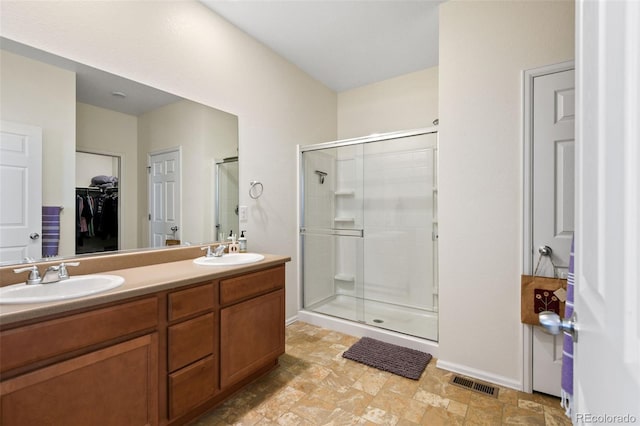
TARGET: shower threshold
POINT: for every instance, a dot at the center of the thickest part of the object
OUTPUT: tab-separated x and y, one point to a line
414	322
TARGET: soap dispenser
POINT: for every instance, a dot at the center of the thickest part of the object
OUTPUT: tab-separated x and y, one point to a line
243	242
234	247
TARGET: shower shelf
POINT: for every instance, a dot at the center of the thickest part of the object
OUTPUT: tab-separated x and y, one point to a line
344	277
347	192
345	219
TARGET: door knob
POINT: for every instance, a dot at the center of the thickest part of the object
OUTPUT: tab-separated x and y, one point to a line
545	251
552	324
34	236
174	228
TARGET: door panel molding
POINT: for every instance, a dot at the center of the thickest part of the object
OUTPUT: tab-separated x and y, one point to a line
165	196
21	182
528	77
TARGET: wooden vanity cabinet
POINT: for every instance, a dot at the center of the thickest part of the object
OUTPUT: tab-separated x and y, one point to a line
251	323
192	348
74	370
164	358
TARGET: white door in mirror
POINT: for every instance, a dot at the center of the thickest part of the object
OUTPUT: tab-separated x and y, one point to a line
21	185
72	288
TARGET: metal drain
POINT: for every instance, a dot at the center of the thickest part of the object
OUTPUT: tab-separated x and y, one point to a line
378	321
475	386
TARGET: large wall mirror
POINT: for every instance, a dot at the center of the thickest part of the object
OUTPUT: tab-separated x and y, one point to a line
151	157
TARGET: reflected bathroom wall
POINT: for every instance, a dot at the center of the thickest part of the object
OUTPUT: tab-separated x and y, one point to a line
51	105
204	133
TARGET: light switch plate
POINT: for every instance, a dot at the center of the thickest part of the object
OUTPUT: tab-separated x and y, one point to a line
242	213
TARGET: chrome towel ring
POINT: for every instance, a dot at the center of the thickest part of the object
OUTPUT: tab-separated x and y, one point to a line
255	190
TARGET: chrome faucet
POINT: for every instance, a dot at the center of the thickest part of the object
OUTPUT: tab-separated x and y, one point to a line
34	274
216	252
52	274
219	251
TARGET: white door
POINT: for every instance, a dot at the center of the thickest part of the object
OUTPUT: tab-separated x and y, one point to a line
607	304
164	197
553	169
21	191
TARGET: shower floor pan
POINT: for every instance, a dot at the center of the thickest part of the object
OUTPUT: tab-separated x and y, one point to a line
411	321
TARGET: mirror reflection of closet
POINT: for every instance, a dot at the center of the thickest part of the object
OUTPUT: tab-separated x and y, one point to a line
227	198
97	208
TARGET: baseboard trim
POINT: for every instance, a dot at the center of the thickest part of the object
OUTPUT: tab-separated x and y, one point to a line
291	320
480	375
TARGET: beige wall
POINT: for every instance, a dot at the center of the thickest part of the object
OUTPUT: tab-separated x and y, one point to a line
183	48
50	105
484	47
406	102
204	134
104	131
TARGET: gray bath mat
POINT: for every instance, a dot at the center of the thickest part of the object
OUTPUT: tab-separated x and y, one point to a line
395	359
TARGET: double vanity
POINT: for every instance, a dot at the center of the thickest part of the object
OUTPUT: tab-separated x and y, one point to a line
174	339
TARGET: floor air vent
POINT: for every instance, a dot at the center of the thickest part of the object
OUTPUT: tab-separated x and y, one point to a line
479	387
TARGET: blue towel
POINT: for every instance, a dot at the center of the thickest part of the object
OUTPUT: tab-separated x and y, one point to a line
566	394
50	230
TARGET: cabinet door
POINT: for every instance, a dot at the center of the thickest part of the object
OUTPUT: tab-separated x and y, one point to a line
251	336
93	389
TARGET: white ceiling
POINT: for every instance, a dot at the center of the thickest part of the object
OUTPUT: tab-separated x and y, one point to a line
342	43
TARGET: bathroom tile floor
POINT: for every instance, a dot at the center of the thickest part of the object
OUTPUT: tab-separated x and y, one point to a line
314	385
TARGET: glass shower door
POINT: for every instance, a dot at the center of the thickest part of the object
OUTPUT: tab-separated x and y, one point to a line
332	232
369	231
400	249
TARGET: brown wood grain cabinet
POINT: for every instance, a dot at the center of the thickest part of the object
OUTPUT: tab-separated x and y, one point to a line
79	378
164	358
192	348
192	385
251	334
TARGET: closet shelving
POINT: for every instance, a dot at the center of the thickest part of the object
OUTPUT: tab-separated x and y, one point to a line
96	232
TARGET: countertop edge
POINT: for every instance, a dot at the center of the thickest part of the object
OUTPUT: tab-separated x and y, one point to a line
139	281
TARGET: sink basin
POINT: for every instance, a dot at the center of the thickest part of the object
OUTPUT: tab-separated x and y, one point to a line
229	259
72	288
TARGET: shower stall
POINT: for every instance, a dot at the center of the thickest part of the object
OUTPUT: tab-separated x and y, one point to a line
369	232
227	201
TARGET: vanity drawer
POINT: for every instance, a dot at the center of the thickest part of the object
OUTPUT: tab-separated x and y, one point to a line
191	301
250	285
32	343
191	340
192	385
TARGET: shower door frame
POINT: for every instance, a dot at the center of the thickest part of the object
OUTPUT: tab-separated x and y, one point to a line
218	201
301	195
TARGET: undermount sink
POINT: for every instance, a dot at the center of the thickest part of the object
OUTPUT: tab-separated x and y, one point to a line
71	288
230	259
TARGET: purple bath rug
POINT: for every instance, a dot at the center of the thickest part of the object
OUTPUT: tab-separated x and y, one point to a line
395	359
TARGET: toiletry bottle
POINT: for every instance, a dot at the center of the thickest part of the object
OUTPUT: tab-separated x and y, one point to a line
234	247
243	242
